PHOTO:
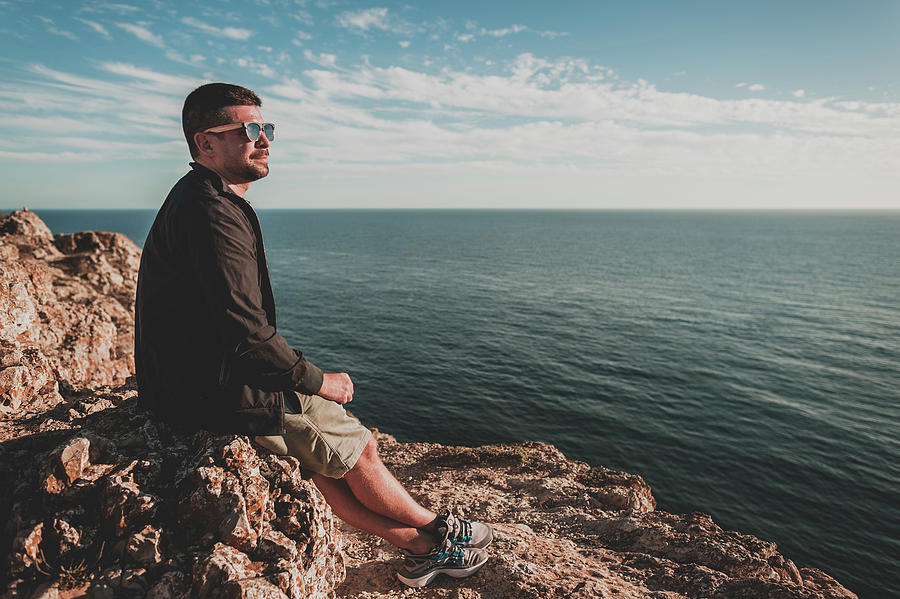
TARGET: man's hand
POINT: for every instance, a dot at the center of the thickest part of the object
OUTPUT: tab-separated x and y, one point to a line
337	387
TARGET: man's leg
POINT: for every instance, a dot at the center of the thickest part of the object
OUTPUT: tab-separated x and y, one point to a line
337	447
364	494
376	488
349	509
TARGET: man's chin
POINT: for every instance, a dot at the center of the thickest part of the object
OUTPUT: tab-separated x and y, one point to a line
254	172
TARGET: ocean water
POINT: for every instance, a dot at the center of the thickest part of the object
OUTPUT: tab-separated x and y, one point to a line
746	364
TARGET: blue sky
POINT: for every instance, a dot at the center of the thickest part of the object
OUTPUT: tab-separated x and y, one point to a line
788	104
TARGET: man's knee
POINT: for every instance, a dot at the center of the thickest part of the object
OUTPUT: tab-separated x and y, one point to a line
369	456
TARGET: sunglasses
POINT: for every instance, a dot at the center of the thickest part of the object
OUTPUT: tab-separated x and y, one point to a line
251	129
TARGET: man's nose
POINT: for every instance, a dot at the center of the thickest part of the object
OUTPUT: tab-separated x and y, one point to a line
262	141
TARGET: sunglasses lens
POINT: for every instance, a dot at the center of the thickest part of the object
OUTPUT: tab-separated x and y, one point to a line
252	130
269	130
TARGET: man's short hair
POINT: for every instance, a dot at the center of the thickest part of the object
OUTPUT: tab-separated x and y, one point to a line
203	108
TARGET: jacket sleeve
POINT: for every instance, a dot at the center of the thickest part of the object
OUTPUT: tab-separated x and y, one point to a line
222	249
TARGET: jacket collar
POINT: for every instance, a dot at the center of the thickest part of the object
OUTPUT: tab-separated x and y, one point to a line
214	178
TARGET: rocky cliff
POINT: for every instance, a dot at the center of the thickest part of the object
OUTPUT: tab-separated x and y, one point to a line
565	529
101	501
66	305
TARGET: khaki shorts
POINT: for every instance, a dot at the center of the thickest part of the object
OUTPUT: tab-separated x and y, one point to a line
323	437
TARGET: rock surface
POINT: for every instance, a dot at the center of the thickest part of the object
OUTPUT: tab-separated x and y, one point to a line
66	312
118	505
101	501
565	529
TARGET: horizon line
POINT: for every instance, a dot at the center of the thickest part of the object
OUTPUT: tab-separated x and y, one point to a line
7	210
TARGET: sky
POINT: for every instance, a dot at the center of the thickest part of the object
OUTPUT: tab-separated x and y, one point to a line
787	104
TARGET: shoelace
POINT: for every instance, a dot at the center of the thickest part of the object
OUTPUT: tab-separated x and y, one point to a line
447	550
461	529
453	552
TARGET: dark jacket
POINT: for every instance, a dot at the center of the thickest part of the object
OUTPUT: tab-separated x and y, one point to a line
206	349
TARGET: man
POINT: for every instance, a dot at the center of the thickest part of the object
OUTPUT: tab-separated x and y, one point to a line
208	354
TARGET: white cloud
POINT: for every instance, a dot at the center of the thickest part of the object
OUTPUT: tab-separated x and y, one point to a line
97	117
121	9
756	87
799	93
303	17
505	31
365	19
473	30
162	81
56	124
552	34
258	67
52	28
143	96
404	44
62	33
228	32
374	18
531	118
54	157
323	60
142	33
97	27
741	84
572	89
348	139
300	38
141	148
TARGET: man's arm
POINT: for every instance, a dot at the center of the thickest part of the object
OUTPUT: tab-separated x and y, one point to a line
222	251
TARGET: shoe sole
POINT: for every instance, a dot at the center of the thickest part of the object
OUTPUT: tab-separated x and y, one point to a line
424	580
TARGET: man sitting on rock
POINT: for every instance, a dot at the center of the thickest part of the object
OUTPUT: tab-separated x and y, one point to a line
208	354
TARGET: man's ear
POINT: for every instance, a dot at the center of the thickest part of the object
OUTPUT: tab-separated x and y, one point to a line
203	144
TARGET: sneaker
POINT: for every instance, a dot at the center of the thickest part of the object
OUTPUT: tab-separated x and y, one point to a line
447	558
465	533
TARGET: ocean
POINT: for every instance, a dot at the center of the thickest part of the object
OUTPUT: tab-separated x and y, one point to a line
746	364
